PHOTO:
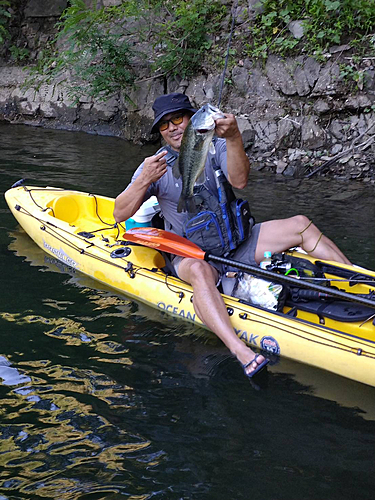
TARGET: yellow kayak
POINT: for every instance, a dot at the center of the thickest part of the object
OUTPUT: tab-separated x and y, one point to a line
79	230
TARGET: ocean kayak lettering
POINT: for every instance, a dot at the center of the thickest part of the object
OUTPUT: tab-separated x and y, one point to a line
175	310
61	255
248	337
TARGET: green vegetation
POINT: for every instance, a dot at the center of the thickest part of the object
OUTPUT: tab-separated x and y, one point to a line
4	19
112	48
19	54
91	46
187	36
103	47
324	22
9	10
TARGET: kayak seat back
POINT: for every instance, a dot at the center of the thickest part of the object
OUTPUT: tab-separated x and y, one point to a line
338	310
65	208
80	209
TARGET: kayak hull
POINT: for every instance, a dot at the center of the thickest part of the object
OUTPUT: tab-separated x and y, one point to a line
79	230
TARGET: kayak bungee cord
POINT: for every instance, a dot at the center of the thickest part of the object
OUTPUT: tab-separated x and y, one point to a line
48	227
44	209
97	213
129	267
96	209
117	225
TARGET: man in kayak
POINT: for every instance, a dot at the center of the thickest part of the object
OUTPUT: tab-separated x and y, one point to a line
154	176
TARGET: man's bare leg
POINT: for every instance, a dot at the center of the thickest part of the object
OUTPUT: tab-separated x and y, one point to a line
210	308
279	235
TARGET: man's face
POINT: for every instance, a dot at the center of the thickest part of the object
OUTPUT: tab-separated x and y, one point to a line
173	133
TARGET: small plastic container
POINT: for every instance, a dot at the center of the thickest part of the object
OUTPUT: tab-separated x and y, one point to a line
266	261
143	216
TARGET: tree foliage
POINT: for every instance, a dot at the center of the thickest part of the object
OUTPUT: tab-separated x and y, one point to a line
105	49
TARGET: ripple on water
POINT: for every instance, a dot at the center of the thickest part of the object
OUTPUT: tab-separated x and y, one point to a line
53	433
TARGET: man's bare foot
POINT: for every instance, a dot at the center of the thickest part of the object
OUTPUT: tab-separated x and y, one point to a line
257	363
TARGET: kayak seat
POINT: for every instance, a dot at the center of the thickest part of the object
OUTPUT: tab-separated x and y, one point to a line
65	208
338	310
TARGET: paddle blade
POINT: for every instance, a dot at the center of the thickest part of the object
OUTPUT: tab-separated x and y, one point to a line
164	241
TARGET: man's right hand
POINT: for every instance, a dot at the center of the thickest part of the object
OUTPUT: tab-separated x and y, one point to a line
154	167
129	201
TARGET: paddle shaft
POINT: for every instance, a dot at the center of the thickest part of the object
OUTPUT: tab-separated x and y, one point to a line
166	241
264	273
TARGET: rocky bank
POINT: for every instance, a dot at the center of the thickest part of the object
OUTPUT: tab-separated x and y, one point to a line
296	115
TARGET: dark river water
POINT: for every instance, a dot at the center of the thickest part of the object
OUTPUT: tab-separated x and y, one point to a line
104	398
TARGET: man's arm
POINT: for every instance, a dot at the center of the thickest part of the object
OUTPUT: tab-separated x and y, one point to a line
237	161
129	201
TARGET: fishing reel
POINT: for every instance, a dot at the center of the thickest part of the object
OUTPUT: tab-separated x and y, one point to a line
296	267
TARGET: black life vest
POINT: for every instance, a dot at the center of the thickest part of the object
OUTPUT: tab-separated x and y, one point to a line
221	221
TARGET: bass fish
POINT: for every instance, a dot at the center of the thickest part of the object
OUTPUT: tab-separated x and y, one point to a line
195	145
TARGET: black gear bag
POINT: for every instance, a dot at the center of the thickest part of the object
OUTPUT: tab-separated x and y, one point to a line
221	221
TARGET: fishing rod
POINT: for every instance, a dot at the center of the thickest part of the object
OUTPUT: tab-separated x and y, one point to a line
370	281
234	9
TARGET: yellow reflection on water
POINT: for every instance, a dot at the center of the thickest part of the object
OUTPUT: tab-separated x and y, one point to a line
111	347
65	328
113	457
61	305
121	361
109	300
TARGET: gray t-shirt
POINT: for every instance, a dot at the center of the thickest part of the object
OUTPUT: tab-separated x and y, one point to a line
168	189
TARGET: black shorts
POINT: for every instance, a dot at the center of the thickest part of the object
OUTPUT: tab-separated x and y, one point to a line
245	253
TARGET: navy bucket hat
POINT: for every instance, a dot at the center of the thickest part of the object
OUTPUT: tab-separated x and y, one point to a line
169	103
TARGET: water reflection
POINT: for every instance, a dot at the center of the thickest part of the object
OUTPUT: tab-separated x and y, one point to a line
69	160
53	429
10	375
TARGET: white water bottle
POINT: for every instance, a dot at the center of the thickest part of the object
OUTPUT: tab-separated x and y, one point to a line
266	261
